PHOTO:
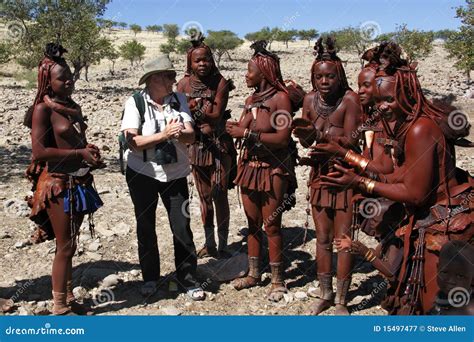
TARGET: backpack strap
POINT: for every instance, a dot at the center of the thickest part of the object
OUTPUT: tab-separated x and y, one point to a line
140	104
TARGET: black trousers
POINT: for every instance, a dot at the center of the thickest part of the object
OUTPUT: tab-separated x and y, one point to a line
145	192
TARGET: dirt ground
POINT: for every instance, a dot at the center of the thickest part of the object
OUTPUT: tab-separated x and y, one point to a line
25	269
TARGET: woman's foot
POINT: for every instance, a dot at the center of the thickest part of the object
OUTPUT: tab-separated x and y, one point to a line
245	283
341	310
207	252
276	292
319	306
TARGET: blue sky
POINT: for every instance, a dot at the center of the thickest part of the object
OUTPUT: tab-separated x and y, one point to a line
251	15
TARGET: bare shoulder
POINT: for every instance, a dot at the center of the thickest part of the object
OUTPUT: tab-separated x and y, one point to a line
248	100
42	110
350	97
424	128
309	97
282	96
182	83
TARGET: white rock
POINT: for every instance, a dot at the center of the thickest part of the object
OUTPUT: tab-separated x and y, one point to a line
300	295
41	304
93	256
171	311
313	292
122	229
111	280
79	292
21	244
135	273
94	246
288	297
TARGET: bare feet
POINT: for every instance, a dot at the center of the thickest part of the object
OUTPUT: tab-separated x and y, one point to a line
319	306
276	292
245	282
341	310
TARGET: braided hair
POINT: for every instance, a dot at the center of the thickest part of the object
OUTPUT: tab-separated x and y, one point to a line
326	53
52	55
268	64
409	94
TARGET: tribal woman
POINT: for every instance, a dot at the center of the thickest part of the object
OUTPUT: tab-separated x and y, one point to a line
377	162
437	195
265	169
213	155
65	188
331	112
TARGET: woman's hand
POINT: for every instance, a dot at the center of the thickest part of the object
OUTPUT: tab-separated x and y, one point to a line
342	178
344	243
90	155
331	148
233	128
173	129
205	128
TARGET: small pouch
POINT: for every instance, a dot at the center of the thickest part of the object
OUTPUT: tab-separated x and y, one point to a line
165	153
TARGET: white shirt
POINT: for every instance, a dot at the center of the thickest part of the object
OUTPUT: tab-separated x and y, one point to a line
156	117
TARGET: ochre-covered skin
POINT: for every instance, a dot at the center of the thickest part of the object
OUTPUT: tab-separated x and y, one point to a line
426	178
213	154
335	112
265	171
58	138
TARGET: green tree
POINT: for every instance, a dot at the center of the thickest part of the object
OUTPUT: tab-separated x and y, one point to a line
352	39
286	36
5	53
459	44
112	55
122	25
308	35
136	28
74	21
443	34
169	46
171	31
154	28
265	33
221	42
182	46
132	51
416	44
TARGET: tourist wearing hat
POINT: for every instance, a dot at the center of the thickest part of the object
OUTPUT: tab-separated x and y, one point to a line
157	125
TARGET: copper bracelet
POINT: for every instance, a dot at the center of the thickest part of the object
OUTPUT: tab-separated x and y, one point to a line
367	185
356	159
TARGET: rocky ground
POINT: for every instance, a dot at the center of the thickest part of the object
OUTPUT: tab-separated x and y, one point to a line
106	270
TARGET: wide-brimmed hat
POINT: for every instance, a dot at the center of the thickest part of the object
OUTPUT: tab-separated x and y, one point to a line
159	64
